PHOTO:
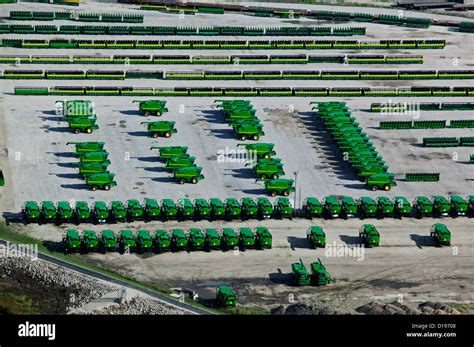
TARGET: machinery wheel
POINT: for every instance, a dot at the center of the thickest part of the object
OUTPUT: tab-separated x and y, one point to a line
243	137
154	135
89	130
286	193
194	180
77	131
386	187
266	156
256	137
181	181
273	193
107	187
374	188
167	134
274	176
147	114
263	177
94	188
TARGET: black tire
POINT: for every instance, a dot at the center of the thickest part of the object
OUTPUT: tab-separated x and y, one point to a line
275	176
273	193
147	113
286	193
243	137
373	188
154	135
77	131
94	188
89	130
194	180
256	137
106	187
181	181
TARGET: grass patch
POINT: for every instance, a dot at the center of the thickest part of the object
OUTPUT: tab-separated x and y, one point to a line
14	304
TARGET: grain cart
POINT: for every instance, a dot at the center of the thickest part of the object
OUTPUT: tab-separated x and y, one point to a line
108	241
89	146
101	181
196	239
225	297
384	207
179	241
246	238
249	208
441	206
264	171
171	151
118	211
144	241
259	150
284	208
300	275
332	207
229	239
90	241
82	212
31	212
265	208
279	187
161	128
319	274
85	125
402	207
169	210
248	130
190	174
263	238
266	161
180	161
100	212
65	212
440	234
381	181
348	207
422	207
86	169
316	236
48	212
94	157
369	235
152	107
134	210
202	209
72	241
162	240
312	207
185	208
127	241
75	108
367	207
232	208
212	239
217	208
459	206
151	209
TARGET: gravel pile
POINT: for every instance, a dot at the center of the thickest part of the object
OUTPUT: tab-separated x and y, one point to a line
426	308
84	288
302	309
140	306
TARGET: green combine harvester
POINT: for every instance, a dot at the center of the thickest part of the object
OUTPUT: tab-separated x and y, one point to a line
279	186
108	241
161	128
312	207
72	241
171	151
103	181
369	235
319	274
440	234
31	212
86	147
225	297
85	125
259	150
180	161
263	238
316	236
190	174
300	275
152	107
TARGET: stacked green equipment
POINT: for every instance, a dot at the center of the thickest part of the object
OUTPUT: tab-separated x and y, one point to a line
240	114
319	274
152	107
300	274
80	115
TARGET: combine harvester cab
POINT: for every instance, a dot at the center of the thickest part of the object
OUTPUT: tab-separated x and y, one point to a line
441	206
232	208
196	239
90	241
169	210
246	238
101	181
48	213
459	206
369	235
108	241
144	241
226	297
212	239
423	207
367	207
284	208
263	238
100	212
202	209
440	235
402	207
249	208
311	208
152	210
179	240
65	212
316	236
82	212
348	207
385	207
185	208
332	207
134	210
162	240
279	187
230	240
31	212
118	211
265	208
127	241
217	208
72	241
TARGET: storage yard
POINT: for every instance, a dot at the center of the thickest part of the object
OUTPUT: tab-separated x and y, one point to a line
309	85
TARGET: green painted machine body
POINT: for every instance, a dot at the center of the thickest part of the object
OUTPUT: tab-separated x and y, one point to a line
369	235
162	240
316	236
440	234
312	207
229	238
134	210
226	297
108	241
100	211
212	239
263	237
72	241
202	209
196	239
169	210
118	211
31	211
151	208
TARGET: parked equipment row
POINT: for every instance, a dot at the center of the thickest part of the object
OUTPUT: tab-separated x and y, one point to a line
174	30
238	74
212	59
438	91
448	141
424	106
161	240
426	124
240	115
79	114
81	17
224	44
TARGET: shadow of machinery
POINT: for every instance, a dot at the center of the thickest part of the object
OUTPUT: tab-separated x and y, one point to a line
350	240
423	240
298	242
281	278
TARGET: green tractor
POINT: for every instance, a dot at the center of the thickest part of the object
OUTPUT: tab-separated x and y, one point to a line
369	235
82	212
90	241
64	212
212	239
332	207
84	125
101	181
171	151
100	212
284	208
300	275
348	207
263	238
230	239
86	169
385	207
185	208
108	241
127	241
440	234
152	107
151	209
180	161
48	212
179	241
402	207
218	209
190	174
265	171
367	207
169	210
162	240
381	181
94	158
259	150
31	212
202	209
196	239
319	274
225	297
232	208
134	210
72	241
312	207
422	207
161	128
265	208
459	206
441	206
246	238
89	146
249	208
316	236
144	241
279	187
118	211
